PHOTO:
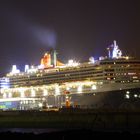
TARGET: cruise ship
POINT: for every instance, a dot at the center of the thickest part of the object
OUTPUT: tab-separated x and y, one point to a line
109	82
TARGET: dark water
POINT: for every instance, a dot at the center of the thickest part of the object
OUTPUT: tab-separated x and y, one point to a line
29	130
50	133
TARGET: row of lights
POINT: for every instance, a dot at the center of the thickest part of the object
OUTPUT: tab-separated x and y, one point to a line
45	91
127	96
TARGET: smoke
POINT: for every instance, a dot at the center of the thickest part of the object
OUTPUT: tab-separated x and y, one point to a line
44	36
21	29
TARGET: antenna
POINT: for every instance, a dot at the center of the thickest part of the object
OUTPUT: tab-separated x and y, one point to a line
115	44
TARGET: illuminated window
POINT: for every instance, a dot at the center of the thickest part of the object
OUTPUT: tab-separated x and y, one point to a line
79	89
93	87
33	93
45	92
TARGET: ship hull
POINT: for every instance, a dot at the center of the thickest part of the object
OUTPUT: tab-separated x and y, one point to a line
110	99
114	99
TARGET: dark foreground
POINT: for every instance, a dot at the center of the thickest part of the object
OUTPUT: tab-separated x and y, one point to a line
68	134
64	124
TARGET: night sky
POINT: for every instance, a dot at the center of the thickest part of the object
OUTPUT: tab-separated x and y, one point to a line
75	28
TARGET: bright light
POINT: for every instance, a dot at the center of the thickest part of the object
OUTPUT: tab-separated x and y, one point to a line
4	95
93	87
135	95
40	105
45	92
10	95
127	96
67	97
79	89
32	93
134	77
15	70
22	95
127	92
41	67
72	63
67	88
57	90
18	99
92	60
101	58
4	83
26	68
116	51
21	90
32	70
132	73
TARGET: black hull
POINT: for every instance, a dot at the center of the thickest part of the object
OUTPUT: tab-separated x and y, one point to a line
110	99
